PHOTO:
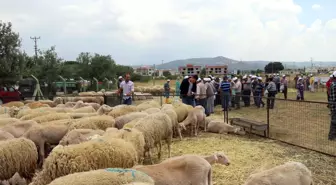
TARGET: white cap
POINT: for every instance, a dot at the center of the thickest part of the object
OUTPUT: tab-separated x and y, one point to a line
334	74
186	77
259	78
235	78
331	76
199	79
244	77
283	75
207	79
168	80
254	76
120	77
250	75
300	78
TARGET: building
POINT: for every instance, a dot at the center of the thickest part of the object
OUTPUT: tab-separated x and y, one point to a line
189	69
312	70
216	70
144	70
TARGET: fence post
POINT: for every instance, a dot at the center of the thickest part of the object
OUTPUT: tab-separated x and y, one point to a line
105	99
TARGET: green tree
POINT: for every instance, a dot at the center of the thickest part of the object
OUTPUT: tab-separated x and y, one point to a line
274	67
102	66
203	72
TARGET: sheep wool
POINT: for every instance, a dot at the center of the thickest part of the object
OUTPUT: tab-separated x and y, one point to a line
6	121
133	136
24	112
60	122
4	116
35	105
91	155
13	104
173	117
78	136
95	122
122	110
51	117
182	112
148	104
12	160
76	115
109	176
122	120
152	110
87	109
155	128
4	135
104	109
132	123
36	114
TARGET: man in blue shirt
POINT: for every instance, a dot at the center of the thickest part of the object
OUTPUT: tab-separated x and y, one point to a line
166	88
225	93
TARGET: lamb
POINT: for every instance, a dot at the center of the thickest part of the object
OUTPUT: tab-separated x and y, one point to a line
94	122
286	174
43	134
173	116
78	136
13	161
181	170
155	128
91	155
220	127
152	110
195	117
19	128
122	110
109	176
122	120
4	135
104	109
51	117
148	104
133	136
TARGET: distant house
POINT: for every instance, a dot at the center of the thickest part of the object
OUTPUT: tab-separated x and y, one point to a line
216	70
312	70
144	71
189	69
290	72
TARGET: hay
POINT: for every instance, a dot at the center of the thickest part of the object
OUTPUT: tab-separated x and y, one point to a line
253	155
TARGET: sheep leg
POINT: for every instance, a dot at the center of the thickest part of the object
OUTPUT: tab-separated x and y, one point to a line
150	157
179	133
41	153
169	141
159	150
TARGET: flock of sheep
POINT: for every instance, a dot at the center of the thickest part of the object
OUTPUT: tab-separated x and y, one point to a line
83	141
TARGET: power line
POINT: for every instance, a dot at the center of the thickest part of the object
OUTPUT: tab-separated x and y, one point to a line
35	45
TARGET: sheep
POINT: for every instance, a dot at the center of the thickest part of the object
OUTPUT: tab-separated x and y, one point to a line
167	106
11	111
78	136
60	122
86	99
70	104
109	176
96	106
219	158
220	127
181	170
5	115
285	174
42	134
13	104
18	155
173	116
132	123
4	135
133	136
28	111
195	117
51	117
148	104
82	115
87	109
122	120
155	128
91	155
36	114
94	122
111	129
104	109
181	111
15	180
152	110
79	104
6	121
36	105
57	100
19	128
122	110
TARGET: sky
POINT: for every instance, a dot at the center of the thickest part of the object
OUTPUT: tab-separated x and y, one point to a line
138	32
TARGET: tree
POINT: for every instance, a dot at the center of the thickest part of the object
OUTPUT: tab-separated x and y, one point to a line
203	72
274	67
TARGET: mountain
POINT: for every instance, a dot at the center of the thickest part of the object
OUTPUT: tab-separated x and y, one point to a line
234	64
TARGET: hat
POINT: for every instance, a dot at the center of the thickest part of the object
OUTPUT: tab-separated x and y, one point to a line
244	77
334	74
186	77
207	79
283	75
235	78
259	78
198	80
168	80
331	76
300	78
250	75
253	76
120	77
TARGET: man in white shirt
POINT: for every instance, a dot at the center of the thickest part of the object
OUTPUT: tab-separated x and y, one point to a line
237	87
127	88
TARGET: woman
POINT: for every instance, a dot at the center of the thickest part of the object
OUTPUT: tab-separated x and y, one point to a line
300	90
272	90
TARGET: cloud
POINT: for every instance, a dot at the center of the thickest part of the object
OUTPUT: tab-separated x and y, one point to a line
316	7
148	31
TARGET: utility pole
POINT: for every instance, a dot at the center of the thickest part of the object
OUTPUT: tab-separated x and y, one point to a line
35	45
311	60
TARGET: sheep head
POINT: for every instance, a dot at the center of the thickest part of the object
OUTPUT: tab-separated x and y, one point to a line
222	159
182	126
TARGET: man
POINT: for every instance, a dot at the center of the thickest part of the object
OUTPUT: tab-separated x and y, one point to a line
166	88
328	86
332	105
188	90
127	89
177	87
246	91
225	93
120	79
237	87
284	84
311	82
259	93
277	82
296	80
254	83
201	97
210	93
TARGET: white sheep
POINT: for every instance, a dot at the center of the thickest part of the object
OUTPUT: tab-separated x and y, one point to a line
121	110
181	170
109	176
290	173
195	117
95	122
152	110
78	136
104	109
17	129
4	135
122	120
173	116
91	155
220	127
155	128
